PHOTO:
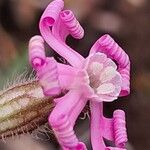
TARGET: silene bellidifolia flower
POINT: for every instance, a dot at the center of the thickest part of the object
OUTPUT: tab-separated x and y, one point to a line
101	77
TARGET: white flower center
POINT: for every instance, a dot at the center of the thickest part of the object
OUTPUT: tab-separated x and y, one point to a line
99	78
103	76
96	67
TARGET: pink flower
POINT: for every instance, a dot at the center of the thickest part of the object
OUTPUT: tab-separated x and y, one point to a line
97	78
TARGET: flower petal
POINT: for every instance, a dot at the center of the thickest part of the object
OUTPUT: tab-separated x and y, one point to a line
108	74
109	62
96	67
98	57
116	80
116	92
105	88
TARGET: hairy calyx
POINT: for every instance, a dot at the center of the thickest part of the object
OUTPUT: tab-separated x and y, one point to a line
23	108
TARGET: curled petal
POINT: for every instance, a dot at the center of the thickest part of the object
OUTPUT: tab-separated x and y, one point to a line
62	123
59	31
110	128
48	78
125	73
107	45
72	24
120	128
48	19
53	12
36	52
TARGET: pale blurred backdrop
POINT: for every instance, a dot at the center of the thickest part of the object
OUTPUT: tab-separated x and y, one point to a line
127	21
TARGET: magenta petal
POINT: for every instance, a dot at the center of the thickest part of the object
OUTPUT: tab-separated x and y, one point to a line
48	19
77	110
37	55
67	102
120	132
96	135
125	73
111	129
72	24
48	77
107	128
62	123
67	75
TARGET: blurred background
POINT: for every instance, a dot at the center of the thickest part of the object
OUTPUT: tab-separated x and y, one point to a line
127	21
